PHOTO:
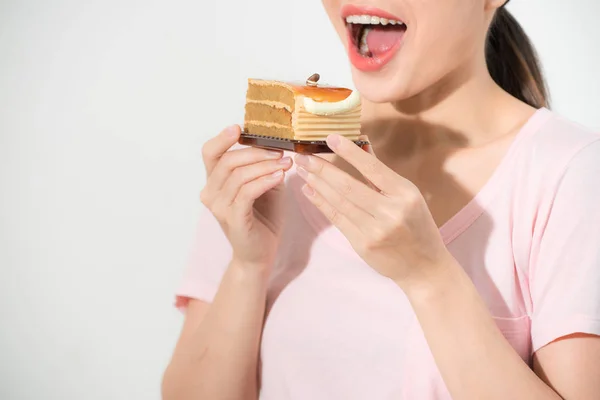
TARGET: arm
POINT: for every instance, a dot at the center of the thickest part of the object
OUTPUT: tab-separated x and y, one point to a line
570	366
471	353
477	362
217	353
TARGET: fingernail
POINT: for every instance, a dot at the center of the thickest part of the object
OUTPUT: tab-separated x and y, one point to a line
276	175
285	161
232	131
302	159
308	190
333	141
302	173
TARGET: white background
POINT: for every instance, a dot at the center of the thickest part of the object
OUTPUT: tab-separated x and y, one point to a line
104	106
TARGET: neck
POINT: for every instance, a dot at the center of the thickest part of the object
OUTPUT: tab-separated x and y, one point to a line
465	109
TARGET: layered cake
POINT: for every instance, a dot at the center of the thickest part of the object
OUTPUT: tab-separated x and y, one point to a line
300	112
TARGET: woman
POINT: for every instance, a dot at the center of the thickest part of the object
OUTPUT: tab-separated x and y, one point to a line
462	262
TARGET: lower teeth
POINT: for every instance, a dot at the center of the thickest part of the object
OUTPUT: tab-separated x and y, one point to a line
363	47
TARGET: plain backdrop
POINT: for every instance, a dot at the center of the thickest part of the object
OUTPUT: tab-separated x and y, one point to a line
104	106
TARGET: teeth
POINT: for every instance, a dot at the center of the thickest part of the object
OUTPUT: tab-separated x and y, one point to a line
363	47
371	20
364	19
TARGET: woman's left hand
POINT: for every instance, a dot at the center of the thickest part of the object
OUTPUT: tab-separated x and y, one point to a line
388	224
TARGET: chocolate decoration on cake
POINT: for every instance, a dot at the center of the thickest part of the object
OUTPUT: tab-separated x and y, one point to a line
313	80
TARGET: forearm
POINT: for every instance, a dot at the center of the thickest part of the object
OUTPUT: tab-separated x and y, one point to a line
218	359
474	358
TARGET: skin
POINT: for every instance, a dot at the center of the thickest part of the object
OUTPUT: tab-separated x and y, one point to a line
439	130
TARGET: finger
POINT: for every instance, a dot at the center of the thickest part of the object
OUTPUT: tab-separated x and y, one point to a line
246	174
339	204
369	149
367	164
339	220
248	193
350	188
234	159
214	149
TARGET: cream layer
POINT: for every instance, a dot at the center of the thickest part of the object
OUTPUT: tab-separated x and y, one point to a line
307	125
315	131
270	103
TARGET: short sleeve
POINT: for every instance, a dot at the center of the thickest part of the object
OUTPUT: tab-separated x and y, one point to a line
565	278
210	256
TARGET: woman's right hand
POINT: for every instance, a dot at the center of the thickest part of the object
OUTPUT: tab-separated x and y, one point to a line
244	191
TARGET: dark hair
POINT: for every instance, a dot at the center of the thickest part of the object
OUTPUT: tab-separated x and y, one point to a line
513	62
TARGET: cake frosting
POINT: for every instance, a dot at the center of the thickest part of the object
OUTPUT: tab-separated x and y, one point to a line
293	110
332	108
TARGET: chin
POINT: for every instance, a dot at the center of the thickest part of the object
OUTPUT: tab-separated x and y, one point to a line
379	88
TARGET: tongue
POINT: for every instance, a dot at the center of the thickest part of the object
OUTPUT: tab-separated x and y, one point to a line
382	38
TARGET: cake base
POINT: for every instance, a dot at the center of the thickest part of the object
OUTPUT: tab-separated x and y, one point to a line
296	146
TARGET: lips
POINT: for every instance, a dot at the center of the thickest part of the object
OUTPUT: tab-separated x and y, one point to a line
374	36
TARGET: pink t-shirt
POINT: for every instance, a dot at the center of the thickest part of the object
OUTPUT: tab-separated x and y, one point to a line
529	240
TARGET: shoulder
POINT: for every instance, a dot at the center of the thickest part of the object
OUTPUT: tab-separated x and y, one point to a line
555	175
556	146
558	140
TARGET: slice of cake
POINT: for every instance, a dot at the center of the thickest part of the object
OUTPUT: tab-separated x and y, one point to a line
305	112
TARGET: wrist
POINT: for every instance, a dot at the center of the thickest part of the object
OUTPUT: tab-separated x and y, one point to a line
436	282
250	269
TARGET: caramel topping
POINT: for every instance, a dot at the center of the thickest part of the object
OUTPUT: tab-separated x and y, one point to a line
323	94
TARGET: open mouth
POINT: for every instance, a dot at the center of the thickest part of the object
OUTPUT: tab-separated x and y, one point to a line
373	38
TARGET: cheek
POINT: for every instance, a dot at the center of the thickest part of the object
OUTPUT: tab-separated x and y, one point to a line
442	41
442	46
332	8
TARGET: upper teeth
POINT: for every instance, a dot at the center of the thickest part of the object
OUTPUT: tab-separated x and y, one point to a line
370	20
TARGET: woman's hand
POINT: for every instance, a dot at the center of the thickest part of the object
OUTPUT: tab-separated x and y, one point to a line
244	192
387	222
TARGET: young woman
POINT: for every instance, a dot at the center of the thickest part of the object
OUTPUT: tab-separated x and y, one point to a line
463	261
